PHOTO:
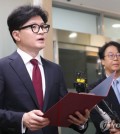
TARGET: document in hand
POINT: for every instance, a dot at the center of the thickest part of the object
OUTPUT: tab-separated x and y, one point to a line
58	113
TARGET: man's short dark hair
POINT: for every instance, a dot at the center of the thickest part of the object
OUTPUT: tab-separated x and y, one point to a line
101	52
24	13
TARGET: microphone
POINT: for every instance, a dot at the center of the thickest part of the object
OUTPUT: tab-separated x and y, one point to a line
105	124
80	82
103	114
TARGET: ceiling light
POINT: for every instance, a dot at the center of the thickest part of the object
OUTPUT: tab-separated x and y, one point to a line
72	35
116	25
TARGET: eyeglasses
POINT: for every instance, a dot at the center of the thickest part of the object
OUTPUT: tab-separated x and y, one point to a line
36	28
111	56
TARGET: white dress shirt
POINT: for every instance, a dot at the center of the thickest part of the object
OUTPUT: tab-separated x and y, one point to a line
26	59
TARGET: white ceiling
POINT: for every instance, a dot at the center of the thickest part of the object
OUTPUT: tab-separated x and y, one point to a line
108	7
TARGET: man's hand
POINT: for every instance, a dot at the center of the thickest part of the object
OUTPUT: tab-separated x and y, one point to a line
33	120
113	128
79	119
114	131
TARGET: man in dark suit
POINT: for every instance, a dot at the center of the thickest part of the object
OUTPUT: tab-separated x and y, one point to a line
110	59
20	110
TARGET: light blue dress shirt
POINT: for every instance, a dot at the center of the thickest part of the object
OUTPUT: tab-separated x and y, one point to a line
116	88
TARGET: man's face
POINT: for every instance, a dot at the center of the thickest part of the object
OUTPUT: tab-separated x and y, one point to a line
111	60
29	41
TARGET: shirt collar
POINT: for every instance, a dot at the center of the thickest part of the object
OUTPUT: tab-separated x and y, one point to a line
118	79
26	57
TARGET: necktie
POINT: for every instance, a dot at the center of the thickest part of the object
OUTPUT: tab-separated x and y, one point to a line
117	89
37	82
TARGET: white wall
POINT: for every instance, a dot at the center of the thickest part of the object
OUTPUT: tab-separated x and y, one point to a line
74	21
7	45
113	33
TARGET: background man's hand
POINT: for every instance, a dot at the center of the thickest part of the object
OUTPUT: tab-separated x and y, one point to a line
113	128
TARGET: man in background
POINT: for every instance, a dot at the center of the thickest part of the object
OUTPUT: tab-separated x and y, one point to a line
109	55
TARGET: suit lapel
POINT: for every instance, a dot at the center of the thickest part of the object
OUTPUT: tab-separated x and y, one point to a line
47	83
112	99
20	69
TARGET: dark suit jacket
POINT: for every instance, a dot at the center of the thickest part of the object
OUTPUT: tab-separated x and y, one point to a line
17	94
113	104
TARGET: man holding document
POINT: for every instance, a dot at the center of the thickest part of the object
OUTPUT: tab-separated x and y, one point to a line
30	84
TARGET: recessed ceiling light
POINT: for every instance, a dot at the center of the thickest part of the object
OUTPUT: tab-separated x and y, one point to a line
73	35
116	25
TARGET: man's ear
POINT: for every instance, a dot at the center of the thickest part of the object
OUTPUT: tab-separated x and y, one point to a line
16	35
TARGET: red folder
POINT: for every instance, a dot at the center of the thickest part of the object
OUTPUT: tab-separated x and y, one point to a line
58	113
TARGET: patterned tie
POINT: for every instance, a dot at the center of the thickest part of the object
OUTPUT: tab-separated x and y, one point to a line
37	82
117	90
